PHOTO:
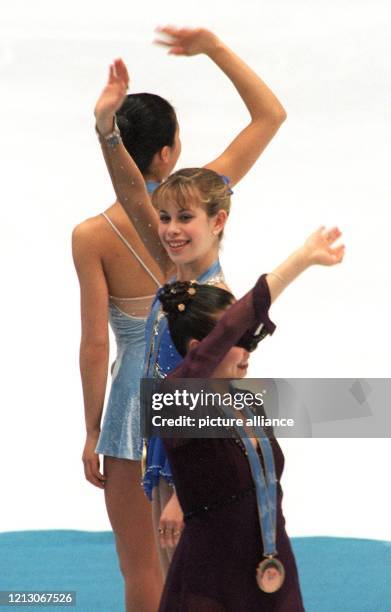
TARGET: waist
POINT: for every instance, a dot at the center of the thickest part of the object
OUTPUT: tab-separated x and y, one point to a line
218	503
126	329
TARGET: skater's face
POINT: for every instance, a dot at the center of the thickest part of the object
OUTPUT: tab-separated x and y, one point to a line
189	234
234	364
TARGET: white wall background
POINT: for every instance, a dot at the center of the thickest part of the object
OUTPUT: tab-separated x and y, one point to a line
329	61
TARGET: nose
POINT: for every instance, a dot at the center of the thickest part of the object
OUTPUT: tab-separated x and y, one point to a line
172	228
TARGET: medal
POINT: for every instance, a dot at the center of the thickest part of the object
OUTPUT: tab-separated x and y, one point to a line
270	575
270	572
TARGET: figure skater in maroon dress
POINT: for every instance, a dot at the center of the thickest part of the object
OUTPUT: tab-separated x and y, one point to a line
216	565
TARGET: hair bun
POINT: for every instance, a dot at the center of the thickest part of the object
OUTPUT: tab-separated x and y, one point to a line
175	296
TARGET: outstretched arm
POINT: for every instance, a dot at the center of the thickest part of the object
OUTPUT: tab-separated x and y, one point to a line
318	249
252	309
128	182
266	112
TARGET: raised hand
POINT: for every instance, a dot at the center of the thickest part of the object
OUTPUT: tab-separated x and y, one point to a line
186	41
112	96
319	247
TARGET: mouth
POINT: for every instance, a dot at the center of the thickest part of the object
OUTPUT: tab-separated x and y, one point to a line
243	366
176	246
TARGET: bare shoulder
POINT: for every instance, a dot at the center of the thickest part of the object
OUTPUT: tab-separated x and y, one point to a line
87	241
88	236
89	230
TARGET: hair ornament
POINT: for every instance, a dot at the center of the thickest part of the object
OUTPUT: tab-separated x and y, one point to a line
191	291
227	182
181	307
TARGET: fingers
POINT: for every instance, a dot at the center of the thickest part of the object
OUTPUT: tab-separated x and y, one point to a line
121	71
118	73
176	51
339	253
163	43
111	79
92	473
173	31
332	234
170	30
177	40
169	534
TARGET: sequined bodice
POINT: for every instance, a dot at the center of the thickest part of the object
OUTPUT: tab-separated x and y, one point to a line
161	355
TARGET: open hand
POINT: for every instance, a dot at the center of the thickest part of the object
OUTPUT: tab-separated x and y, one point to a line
319	247
112	96
186	41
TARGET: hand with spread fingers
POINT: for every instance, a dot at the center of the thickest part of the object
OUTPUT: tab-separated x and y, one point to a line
186	41
321	249
171	523
112	96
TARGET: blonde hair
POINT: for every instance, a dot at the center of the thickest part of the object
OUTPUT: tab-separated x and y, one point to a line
195	185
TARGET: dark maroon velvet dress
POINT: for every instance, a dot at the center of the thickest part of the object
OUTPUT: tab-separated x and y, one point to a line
214	565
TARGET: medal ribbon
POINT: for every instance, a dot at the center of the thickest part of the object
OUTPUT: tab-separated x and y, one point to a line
265	481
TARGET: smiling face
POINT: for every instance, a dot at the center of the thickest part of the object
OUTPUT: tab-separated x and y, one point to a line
234	364
188	234
193	206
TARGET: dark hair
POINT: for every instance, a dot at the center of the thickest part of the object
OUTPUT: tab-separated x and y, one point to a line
192	310
147	123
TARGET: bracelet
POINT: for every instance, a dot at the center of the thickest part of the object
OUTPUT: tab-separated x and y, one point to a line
278	276
113	139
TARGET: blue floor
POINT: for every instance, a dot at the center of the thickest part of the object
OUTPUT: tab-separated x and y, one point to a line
337	574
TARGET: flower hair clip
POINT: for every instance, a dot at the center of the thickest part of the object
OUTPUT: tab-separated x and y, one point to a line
192	290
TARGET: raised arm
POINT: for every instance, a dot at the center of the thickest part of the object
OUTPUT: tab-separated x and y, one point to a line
94	345
318	249
266	112
128	182
251	311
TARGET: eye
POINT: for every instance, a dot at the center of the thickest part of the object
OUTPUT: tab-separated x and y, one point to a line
185	217
164	218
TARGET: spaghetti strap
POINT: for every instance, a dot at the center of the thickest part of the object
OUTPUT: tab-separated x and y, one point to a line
131	249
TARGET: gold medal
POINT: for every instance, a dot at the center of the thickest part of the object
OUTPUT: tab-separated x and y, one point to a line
270	575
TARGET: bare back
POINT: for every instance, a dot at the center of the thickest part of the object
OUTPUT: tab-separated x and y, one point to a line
126	277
